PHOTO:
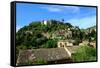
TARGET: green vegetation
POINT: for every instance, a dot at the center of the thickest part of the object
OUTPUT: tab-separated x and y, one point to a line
85	53
30	62
31	36
40	61
50	44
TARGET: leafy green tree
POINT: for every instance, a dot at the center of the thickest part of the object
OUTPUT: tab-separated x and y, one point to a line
50	44
69	25
93	34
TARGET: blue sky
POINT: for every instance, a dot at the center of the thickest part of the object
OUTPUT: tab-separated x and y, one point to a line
83	17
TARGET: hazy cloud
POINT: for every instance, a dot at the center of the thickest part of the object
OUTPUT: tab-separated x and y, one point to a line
56	8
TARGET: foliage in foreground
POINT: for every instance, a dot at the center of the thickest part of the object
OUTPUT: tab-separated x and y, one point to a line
37	61
40	61
84	53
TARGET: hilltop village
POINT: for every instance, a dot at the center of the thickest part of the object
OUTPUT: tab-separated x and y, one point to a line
52	41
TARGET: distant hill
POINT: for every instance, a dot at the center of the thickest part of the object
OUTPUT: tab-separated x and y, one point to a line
92	27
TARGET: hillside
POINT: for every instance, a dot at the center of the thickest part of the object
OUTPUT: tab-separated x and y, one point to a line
93	27
37	31
46	34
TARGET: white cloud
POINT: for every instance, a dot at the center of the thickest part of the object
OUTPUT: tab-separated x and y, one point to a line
18	27
52	9
83	22
73	9
55	8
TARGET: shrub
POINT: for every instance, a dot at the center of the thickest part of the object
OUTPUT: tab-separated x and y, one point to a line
50	44
40	61
30	62
84	53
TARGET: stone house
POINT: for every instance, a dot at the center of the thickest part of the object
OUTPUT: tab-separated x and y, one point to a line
64	43
93	44
68	46
46	22
62	34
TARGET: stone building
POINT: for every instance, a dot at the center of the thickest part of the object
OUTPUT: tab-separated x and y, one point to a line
68	46
62	34
64	43
46	22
